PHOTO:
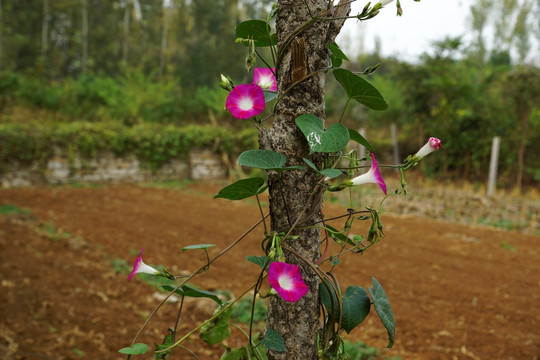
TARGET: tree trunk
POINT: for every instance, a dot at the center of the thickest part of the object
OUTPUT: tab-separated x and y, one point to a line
164	31
1	39
44	28
298	322
524	115
125	42
84	15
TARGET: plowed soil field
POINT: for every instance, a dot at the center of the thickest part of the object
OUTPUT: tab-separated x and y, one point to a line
457	292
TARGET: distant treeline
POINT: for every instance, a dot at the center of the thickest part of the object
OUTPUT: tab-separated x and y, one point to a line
134	62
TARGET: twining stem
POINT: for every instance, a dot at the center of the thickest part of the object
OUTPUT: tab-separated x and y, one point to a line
283	198
262	214
343	112
206	321
263	60
200	270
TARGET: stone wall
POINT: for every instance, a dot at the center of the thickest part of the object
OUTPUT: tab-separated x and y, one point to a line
202	164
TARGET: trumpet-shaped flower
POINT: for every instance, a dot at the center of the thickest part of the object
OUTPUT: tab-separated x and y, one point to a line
385	2
372	176
245	101
432	145
140	267
287	280
265	78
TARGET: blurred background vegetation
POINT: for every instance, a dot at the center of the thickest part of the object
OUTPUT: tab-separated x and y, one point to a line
140	76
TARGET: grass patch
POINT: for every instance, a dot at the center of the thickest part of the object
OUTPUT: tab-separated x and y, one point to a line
10	209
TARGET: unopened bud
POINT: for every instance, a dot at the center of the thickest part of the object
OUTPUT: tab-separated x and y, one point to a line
226	83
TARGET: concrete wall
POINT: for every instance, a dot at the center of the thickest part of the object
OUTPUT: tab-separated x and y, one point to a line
203	164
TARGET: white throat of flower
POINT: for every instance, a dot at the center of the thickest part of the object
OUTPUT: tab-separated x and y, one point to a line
285	282
246	103
265	82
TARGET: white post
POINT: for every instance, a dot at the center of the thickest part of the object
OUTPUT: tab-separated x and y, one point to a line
493	165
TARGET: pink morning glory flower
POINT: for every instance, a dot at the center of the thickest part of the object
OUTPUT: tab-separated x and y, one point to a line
432	145
140	267
372	176
287	281
264	77
245	101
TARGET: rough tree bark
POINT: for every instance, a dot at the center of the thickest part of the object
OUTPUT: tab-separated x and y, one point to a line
307	53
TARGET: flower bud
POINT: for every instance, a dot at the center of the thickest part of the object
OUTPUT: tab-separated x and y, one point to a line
226	83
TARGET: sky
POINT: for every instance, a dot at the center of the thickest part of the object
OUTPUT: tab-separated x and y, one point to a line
411	34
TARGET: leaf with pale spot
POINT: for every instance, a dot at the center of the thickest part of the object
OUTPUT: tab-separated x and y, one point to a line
333	139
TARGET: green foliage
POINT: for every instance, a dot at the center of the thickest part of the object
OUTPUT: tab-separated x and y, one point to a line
330	173
242	189
360	351
337	55
120	266
333	139
273	341
10	209
218	329
136	349
360	90
257	31
151	143
242	311
198	246
384	310
355	305
190	291
265	159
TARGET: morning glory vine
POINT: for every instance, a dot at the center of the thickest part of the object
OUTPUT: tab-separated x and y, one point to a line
341	310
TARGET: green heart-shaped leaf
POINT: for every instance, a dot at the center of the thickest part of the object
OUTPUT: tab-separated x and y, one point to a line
356	306
384	310
262	261
136	349
218	329
197	246
262	159
242	189
273	341
337	55
189	291
265	159
256	30
330	173
329	298
335	138
269	96
355	136
360	90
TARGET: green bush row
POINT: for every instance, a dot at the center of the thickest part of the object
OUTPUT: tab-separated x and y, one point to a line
153	144
132	97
